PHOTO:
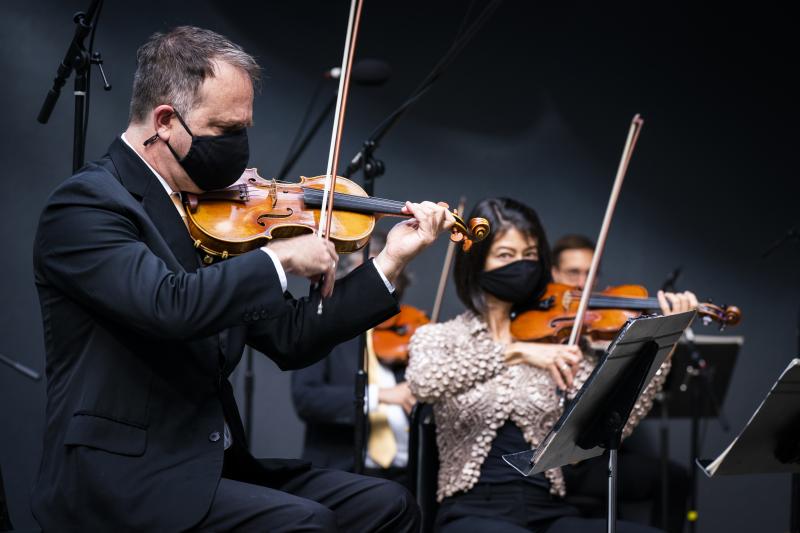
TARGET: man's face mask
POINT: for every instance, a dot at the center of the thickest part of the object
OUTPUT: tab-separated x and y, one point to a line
213	161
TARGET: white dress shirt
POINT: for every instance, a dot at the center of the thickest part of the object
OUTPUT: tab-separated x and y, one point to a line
398	421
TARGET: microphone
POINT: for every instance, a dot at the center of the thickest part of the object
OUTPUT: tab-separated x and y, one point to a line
365	72
790	235
672	277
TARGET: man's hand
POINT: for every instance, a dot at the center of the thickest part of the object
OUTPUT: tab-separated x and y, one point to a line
308	256
410	237
398	395
679	302
560	360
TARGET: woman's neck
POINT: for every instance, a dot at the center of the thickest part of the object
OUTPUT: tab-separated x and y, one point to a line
498	318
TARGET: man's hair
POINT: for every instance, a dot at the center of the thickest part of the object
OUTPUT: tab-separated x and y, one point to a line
570	242
171	67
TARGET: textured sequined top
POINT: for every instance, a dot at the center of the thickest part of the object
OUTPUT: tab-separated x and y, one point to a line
460	369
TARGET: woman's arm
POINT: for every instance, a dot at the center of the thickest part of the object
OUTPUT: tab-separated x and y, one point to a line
445	360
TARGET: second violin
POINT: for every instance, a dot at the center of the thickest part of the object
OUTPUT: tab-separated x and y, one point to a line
554	316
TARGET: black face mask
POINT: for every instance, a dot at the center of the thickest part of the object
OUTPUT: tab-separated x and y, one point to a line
214	161
518	282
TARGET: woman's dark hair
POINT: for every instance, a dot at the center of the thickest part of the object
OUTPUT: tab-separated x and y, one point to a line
502	214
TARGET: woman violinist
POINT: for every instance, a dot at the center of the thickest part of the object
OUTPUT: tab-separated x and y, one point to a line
492	395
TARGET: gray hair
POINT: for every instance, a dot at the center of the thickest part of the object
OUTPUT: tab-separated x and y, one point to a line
171	67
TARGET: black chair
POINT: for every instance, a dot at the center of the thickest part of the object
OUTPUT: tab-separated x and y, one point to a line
423	463
423	469
5	520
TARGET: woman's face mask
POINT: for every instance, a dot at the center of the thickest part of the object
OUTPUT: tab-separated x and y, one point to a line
518	282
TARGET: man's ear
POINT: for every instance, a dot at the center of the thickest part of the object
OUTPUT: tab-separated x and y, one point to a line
554	273
162	121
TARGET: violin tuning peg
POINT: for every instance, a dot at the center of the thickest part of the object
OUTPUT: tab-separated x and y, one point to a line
466	245
456	236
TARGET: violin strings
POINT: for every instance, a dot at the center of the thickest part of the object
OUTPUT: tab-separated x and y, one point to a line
349	199
622	301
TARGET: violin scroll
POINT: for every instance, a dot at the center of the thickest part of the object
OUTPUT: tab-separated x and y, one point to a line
725	315
476	231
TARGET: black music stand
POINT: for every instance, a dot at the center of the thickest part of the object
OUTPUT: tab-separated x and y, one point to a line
594	420
719	353
770	442
702	366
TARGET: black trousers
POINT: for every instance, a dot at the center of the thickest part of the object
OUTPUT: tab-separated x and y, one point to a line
393	473
639	480
313	500
518	507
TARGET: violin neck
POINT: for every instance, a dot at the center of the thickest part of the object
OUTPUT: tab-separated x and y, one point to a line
599	301
356	204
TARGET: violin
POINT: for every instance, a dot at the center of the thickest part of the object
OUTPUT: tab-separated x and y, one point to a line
607	311
390	338
253	211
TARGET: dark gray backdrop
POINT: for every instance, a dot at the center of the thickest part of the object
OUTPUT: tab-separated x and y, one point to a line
537	108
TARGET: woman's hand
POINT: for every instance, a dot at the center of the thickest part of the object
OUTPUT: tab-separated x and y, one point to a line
562	361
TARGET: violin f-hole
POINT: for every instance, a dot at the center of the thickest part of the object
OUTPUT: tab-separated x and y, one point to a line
289	212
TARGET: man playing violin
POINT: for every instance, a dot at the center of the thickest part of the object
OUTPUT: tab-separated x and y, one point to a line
142	431
641	473
572	258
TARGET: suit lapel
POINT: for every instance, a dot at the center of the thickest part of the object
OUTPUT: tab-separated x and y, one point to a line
142	183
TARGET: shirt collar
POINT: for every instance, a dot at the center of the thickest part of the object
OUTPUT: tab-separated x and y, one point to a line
161	180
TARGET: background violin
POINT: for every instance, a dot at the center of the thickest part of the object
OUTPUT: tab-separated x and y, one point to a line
607	312
253	211
390	338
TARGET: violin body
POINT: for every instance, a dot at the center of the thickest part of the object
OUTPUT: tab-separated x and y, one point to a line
253	211
608	311
560	302
390	338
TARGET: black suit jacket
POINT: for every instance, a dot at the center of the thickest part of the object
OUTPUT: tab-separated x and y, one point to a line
140	342
324	397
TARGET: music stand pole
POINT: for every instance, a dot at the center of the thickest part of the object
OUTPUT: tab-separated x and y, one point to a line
794	517
694	372
594	420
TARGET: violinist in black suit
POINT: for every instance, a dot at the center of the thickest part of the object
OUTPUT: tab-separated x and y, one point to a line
142	430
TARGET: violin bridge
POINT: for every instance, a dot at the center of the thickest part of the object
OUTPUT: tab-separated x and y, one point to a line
273	191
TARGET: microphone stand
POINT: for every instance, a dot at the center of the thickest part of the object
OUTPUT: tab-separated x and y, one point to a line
372	169
78	59
663	430
295	155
